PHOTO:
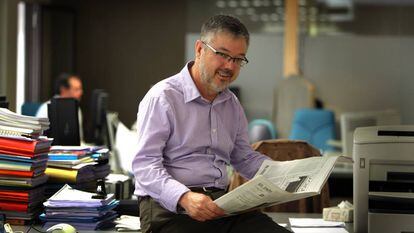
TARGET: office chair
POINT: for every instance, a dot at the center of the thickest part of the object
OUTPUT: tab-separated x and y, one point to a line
261	129
316	126
285	150
30	108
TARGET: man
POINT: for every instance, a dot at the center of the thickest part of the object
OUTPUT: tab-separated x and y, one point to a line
66	86
190	128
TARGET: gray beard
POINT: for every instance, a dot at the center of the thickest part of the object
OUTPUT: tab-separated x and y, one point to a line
208	80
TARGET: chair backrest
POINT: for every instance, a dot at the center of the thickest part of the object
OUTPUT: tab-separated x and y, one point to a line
316	126
30	108
261	129
284	150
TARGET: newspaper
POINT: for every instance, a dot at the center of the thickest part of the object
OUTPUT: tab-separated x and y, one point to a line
277	182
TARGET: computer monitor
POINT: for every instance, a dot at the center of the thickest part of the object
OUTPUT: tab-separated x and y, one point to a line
3	102
352	120
98	118
64	122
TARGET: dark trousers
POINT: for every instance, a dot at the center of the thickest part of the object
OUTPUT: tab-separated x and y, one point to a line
156	219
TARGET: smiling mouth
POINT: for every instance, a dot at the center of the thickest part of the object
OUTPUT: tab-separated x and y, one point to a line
225	75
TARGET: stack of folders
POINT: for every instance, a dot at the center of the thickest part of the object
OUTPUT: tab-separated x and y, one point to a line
79	166
23	159
84	210
13	124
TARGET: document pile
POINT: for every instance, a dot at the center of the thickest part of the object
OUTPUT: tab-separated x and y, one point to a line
13	124
23	159
316	225
79	166
79	209
128	223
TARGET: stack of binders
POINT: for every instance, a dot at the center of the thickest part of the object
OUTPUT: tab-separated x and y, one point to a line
79	166
23	159
84	210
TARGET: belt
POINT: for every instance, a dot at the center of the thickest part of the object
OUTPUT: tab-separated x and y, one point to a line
206	189
194	189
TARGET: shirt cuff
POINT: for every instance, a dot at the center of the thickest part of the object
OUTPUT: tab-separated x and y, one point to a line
172	196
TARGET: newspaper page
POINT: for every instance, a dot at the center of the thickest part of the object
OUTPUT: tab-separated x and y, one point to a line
278	182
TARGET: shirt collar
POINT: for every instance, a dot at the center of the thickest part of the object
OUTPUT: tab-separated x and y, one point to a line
190	90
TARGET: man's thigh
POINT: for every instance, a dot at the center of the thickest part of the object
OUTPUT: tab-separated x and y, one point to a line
256	222
185	224
156	219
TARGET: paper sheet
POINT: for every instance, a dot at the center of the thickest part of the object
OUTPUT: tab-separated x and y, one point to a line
128	223
320	230
126	143
314	222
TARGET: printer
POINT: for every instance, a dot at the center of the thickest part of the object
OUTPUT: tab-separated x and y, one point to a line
384	179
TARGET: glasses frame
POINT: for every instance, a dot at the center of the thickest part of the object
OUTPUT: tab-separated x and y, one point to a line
236	60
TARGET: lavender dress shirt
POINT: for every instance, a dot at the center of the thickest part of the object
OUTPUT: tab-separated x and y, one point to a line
186	141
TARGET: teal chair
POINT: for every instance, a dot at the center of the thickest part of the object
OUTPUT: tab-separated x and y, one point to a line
316	126
261	129
30	108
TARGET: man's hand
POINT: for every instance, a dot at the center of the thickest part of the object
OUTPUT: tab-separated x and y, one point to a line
199	206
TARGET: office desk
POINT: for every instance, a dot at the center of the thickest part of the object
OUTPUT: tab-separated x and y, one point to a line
277	217
284	218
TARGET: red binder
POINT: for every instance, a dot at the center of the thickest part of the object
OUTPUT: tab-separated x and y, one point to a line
24	147
14	206
4	172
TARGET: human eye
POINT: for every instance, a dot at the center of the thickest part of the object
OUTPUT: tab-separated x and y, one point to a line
223	55
238	60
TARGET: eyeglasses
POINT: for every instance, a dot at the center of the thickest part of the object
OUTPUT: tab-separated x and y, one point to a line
240	61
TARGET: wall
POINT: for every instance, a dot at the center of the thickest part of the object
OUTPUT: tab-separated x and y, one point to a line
3	24
8	50
356	73
407	84
351	73
126	46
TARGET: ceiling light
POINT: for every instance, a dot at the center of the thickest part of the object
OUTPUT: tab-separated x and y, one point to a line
257	3
244	3
264	17
250	11
221	4
266	3
277	2
274	17
232	3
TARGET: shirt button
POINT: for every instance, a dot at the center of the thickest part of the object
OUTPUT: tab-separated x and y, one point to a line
214	130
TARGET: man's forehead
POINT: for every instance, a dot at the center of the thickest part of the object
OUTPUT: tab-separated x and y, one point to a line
74	80
225	41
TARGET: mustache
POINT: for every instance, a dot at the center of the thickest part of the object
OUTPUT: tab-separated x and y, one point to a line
226	72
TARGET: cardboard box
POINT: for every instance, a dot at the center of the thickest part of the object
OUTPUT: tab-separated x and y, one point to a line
338	214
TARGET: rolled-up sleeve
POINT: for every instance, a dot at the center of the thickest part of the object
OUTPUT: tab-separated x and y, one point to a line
154	127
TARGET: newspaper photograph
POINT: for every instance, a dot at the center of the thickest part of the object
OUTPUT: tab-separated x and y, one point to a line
277	182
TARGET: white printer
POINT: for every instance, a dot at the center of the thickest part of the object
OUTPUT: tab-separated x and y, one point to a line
384	179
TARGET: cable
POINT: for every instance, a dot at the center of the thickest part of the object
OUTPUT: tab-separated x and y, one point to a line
34	228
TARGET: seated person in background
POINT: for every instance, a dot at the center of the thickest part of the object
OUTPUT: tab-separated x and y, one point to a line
66	86
190	128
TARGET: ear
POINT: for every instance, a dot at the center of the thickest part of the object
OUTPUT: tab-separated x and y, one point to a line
197	48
